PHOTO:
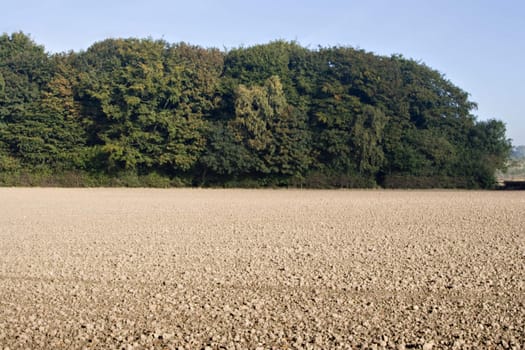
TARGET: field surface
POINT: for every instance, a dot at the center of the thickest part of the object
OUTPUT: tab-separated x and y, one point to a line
261	269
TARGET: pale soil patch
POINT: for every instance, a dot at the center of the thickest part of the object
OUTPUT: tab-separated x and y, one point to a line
136	268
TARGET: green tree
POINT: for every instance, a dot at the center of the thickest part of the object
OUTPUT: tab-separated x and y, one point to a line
487	151
145	102
276	136
348	129
27	133
225	156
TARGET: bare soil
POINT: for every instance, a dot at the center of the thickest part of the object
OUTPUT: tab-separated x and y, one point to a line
261	269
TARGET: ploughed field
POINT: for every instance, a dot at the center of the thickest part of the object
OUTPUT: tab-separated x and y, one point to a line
268	269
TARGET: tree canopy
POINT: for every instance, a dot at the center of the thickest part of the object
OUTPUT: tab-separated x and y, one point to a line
147	112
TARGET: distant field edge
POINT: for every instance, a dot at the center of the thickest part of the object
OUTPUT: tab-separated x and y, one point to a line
317	181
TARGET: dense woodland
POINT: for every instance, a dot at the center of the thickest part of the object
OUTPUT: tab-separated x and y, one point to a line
143	112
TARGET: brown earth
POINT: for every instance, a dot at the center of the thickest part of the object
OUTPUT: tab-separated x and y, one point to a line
261	269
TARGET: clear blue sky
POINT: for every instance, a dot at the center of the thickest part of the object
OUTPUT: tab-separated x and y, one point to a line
478	44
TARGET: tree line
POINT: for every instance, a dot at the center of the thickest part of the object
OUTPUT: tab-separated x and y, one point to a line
144	112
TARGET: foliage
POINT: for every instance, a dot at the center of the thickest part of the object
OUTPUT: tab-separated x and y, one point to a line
143	112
